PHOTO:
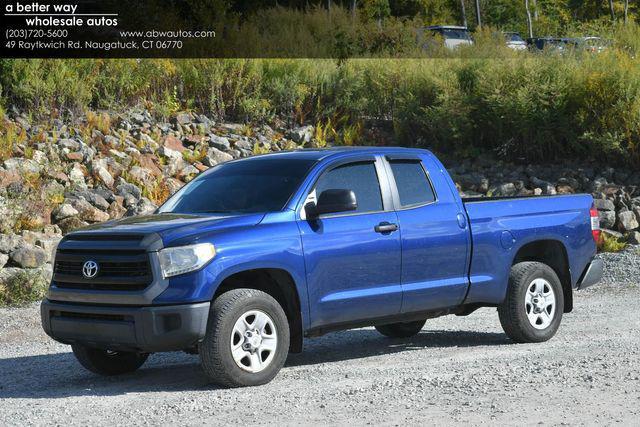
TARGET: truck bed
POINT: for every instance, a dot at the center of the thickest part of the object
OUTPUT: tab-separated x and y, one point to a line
503	226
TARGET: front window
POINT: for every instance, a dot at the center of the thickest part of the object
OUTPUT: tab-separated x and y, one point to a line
514	37
361	178
456	34
260	184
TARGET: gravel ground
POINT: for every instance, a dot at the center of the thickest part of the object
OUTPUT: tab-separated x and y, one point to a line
458	369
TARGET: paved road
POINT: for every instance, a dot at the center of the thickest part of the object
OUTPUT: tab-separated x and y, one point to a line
458	369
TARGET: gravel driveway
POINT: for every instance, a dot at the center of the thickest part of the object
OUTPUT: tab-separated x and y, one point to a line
459	369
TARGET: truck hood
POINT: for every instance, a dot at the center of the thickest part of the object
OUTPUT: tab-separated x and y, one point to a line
173	227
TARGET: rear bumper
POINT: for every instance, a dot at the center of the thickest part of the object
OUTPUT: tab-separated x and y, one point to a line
592	274
146	329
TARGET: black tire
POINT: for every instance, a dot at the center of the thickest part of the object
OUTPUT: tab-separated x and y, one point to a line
513	311
401	330
104	362
215	349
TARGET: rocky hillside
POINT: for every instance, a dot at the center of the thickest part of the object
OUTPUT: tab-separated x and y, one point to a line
62	175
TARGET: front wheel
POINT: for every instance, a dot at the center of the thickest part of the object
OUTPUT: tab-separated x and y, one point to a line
247	339
107	362
533	307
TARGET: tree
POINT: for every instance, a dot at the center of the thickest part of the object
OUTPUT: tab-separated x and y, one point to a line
478	19
613	13
626	11
464	13
535	10
377	9
529	26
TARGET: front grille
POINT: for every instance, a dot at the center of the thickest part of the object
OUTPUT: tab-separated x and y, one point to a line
117	270
92	316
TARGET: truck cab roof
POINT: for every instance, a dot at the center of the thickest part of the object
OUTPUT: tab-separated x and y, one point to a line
326	153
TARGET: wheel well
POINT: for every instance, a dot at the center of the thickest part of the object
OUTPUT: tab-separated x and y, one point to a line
554	254
281	286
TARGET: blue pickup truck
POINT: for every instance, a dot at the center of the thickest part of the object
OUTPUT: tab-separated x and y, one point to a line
254	255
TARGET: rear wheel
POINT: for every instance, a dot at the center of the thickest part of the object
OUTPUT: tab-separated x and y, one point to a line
401	330
107	362
247	339
533	308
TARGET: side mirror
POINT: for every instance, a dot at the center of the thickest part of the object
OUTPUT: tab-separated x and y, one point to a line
332	201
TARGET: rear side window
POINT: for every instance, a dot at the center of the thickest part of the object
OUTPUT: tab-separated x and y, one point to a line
412	182
361	178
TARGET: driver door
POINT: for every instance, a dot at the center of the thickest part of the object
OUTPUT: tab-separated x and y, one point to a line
353	265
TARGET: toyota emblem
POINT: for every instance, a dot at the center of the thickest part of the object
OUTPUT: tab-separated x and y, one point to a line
90	269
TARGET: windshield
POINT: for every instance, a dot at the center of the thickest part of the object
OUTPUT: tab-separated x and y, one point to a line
514	37
260	184
455	34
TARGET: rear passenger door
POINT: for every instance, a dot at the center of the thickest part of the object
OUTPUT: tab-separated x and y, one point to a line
352	265
435	242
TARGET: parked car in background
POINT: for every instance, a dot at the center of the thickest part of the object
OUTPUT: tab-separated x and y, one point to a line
592	44
453	36
553	44
515	41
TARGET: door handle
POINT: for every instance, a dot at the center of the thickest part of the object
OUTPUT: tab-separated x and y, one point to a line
385	227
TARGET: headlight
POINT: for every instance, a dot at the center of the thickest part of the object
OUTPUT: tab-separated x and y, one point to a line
183	259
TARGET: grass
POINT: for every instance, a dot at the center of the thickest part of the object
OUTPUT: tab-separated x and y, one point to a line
519	105
10	137
157	191
22	288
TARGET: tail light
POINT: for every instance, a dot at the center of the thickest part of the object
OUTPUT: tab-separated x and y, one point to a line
595	223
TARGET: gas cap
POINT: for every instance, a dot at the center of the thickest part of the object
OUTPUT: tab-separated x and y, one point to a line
507	240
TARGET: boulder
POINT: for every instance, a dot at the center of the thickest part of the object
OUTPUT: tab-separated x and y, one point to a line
219	142
48	245
29	256
183	118
627	221
103	175
3	260
116	210
188	173
215	156
143	207
70	224
633	237
302	134
607	219
126	188
173	143
474	182
244	145
604	205
75	156
140	174
10	242
87	212
546	187
173	185
508	189
22	165
8	177
77	174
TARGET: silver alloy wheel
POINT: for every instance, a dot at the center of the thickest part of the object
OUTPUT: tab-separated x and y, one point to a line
254	341
540	303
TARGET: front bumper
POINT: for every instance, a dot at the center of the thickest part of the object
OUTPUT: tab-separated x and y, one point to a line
592	274
145	329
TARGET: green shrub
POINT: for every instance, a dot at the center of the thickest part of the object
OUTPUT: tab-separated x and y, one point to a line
519	105
610	243
22	288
